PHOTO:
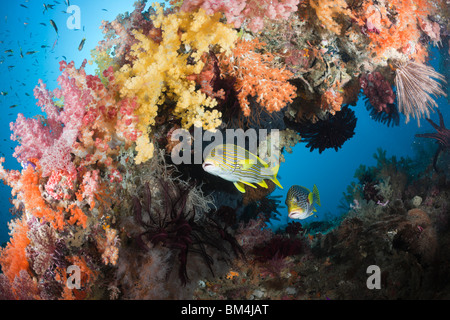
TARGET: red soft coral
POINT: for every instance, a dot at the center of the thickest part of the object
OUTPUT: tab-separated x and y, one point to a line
209	74
378	90
59	184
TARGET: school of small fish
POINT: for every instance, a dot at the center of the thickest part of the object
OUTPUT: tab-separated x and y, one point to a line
32	52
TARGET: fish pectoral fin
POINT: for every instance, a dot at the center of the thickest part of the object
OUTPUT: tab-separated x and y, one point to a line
310	198
239	186
249	184
246	164
263	184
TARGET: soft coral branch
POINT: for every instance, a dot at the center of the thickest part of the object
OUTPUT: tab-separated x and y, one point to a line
255	77
50	139
252	12
13	257
397	24
91	125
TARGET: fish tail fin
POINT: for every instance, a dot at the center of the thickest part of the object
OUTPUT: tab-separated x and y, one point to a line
275	172
316	195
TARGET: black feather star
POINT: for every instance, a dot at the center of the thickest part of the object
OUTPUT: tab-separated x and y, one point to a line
174	226
329	133
391	117
442	136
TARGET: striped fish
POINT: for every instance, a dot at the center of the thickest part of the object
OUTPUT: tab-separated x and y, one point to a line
238	165
300	202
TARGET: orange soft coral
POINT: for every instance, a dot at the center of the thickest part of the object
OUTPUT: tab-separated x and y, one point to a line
401	33
13	257
77	216
87	277
255	77
328	11
31	196
331	101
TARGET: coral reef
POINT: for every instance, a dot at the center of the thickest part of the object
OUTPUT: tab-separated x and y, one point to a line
250	12
100	191
329	260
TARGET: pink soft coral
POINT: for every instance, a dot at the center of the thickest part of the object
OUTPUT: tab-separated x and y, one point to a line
90	125
50	139
59	184
119	33
251	11
34	137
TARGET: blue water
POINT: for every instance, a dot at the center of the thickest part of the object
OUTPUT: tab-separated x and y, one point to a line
21	27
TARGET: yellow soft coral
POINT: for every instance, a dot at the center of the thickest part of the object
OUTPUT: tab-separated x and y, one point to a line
158	72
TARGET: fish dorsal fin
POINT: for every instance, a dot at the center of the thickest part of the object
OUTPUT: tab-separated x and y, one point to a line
263	184
254	157
239	186
263	163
